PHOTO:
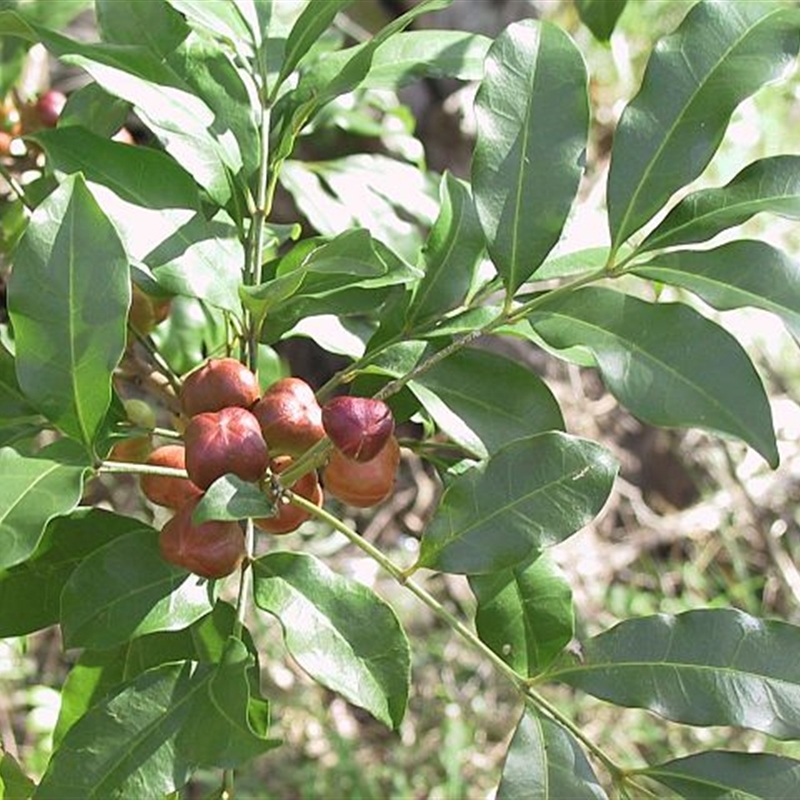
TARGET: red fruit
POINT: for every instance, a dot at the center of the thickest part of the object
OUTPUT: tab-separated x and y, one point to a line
132	451
212	549
225	441
362	483
219	383
164	490
5	143
359	427
291	517
49	107
290	417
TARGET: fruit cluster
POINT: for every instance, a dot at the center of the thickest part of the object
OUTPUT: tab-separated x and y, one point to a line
233	429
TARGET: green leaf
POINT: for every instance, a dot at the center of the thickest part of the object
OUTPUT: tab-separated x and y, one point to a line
525	613
147	738
94	109
600	16
531	494
412	55
720	775
528	157
544	762
14	783
101	673
153	24
231	498
69	336
770	185
30	592
313	21
14	406
735	275
460	393
665	362
126	589
705	667
338	630
450	257
693	82
34	490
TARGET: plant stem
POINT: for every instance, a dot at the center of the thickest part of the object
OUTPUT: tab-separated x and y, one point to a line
110	467
518	681
16	186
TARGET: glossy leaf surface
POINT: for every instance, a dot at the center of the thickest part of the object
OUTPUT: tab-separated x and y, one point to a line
528	159
769	185
544	762
695	78
148	737
35	489
69	336
450	256
651	361
705	667
525	613
461	395
231	498
742	273
30	593
338	631
126	589
531	494
722	775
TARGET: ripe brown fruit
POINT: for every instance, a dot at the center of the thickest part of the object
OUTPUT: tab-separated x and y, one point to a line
291	517
359	427
219	383
290	417
212	549
164	490
362	483
225	441
49	107
135	450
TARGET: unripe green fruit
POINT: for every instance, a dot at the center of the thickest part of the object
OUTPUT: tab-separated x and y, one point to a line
212	549
164	490
359	427
362	483
219	383
225	441
290	417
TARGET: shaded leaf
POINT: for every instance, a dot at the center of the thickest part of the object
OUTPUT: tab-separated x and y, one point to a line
734	275
14	783
69	336
544	762
30	592
462	397
94	109
14	406
34	490
450	257
147	738
650	360
694	80
720	775
600	16
770	185
705	667
338	631
126	589
149	23
528	159
531	494
525	613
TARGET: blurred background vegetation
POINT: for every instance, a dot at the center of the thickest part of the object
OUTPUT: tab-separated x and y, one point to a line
695	521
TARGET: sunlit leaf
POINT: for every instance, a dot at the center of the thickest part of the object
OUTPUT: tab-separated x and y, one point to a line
231	498
531	494
651	360
705	667
528	157
667	134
